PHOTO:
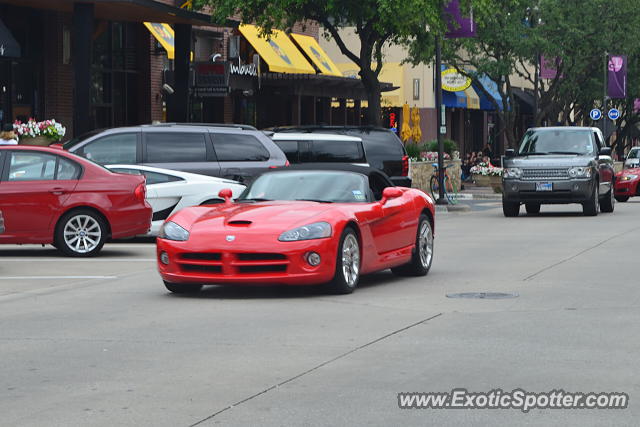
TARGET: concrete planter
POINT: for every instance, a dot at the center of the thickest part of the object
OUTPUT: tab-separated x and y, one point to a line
482	180
421	173
496	183
42	141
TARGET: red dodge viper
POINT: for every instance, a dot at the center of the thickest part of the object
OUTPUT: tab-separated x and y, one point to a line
300	225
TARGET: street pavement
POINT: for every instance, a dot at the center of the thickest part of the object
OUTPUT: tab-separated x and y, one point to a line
100	342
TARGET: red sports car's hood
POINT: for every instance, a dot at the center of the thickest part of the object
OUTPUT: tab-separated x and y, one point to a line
254	217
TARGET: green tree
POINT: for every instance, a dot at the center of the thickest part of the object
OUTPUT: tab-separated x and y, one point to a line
376	22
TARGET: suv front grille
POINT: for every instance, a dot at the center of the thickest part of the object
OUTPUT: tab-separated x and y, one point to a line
536	174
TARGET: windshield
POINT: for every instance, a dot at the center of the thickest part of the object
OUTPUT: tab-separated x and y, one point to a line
556	141
634	154
320	186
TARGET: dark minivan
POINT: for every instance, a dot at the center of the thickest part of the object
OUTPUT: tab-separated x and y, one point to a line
383	149
235	152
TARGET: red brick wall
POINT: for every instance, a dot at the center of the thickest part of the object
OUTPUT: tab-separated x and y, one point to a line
58	78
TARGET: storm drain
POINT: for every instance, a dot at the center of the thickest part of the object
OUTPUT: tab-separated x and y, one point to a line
484	295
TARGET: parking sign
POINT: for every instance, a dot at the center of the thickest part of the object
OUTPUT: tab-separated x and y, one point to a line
595	114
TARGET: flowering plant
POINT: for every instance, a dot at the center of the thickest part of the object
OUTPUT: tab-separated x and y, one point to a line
48	128
429	156
486	169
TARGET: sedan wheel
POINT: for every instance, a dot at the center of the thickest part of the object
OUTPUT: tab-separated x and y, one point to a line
347	272
80	233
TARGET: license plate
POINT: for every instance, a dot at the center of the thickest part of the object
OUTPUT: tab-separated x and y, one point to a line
544	186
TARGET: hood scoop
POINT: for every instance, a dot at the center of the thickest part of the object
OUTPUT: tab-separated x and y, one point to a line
240	223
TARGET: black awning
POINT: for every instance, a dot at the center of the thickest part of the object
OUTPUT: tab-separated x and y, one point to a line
525	98
9	47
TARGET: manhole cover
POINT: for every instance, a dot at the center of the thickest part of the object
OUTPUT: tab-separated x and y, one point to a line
484	295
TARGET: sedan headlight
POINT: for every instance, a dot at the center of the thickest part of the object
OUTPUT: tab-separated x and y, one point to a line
628	177
317	230
513	173
580	172
172	231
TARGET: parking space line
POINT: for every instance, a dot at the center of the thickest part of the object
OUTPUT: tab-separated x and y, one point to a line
54	277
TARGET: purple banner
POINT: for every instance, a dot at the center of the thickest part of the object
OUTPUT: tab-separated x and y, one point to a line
617	77
548	67
458	26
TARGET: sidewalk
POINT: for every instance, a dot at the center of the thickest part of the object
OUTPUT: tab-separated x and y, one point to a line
473	192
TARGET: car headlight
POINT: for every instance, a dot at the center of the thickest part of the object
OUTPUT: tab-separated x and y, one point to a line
580	172
172	231
317	230
628	177
512	173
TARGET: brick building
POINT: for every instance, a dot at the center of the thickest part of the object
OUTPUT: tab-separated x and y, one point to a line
93	64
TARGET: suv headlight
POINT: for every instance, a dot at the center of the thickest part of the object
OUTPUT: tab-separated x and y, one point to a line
512	173
172	231
317	230
580	172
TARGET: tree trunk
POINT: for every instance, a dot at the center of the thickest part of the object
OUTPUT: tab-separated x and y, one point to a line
372	88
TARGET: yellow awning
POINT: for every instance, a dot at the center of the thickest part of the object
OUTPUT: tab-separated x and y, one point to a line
278	51
310	46
165	36
392	72
473	100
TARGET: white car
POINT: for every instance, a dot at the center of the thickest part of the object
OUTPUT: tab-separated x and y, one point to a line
633	158
168	191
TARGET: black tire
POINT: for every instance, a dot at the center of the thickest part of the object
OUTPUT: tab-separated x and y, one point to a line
622	199
422	257
608	203
85	231
532	208
184	288
433	187
340	284
510	209
592	206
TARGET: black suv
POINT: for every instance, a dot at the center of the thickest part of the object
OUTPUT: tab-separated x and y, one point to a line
237	152
559	165
383	148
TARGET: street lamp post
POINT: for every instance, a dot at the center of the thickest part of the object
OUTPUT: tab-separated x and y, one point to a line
441	199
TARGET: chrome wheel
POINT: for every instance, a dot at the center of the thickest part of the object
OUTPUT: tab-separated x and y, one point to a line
425	244
82	234
350	260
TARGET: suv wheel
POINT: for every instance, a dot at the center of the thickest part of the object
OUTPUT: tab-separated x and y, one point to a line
608	203
592	206
510	209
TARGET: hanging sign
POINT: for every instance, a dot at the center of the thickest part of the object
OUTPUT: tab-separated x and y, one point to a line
454	81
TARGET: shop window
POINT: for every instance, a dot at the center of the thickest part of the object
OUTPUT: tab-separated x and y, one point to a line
175	147
416	89
239	148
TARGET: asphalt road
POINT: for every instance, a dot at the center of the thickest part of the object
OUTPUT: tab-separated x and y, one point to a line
100	342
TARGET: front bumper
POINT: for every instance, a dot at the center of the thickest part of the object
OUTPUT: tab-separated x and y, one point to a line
626	188
250	263
563	191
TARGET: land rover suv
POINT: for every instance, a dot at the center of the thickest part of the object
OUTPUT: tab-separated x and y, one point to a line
559	165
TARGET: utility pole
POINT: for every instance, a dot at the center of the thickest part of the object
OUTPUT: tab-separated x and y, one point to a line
441	199
605	98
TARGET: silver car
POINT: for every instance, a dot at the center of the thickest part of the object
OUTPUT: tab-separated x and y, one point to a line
236	152
633	158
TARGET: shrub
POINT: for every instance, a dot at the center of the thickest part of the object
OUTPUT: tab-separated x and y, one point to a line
449	146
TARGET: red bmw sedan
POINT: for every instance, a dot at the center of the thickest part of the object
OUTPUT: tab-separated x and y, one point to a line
51	196
627	182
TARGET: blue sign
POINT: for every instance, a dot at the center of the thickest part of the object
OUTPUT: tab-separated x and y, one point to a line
595	114
614	114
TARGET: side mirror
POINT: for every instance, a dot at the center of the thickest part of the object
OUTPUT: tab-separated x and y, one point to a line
390	193
510	152
226	194
605	151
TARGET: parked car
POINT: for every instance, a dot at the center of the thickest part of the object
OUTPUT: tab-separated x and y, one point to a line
633	158
169	191
383	149
50	196
302	225
234	152
559	165
626	185
321	148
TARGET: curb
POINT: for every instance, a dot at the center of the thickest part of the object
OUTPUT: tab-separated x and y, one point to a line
460	207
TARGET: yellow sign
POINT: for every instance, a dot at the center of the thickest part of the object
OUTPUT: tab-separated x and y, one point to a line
278	51
310	46
165	36
454	81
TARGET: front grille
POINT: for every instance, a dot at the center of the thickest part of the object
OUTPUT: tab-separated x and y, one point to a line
217	264
541	174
